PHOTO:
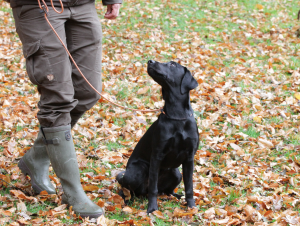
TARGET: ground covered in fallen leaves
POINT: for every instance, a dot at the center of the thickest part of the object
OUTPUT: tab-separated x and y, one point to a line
245	56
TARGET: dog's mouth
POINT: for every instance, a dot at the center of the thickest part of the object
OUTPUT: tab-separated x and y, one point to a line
152	69
154	73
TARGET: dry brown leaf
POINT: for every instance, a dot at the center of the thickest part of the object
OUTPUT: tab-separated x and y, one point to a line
60	208
158	214
23	222
37	220
210	213
90	187
231	210
221	221
118	199
21	207
249	210
127	209
143	90
127	194
265	143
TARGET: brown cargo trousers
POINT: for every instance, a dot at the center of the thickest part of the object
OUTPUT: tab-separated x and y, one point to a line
65	96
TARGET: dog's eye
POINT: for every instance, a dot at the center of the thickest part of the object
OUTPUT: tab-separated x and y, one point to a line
173	64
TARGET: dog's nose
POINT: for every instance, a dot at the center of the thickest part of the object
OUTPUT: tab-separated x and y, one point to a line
151	62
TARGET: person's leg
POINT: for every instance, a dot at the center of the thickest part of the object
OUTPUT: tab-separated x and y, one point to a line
84	37
64	162
35	163
41	62
49	67
47	63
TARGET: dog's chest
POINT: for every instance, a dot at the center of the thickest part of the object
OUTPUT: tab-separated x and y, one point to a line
178	151
181	143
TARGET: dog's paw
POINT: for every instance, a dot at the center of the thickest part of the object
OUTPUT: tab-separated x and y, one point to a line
151	209
191	203
152	204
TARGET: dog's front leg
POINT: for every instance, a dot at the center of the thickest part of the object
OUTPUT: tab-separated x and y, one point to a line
152	189
187	170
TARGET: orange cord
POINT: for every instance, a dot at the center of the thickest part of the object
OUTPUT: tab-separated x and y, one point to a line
44	7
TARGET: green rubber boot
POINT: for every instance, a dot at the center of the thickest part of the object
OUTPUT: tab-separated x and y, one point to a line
62	155
35	163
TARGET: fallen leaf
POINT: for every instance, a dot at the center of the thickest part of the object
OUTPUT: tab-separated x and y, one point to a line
143	90
60	208
90	187
127	210
21	207
297	96
126	193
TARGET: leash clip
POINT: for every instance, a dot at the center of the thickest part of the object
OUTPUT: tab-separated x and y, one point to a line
44	9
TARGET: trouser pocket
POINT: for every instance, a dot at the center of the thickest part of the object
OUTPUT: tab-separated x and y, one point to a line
37	64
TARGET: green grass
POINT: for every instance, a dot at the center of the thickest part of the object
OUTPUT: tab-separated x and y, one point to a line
4	191
113	146
233	195
35	208
118	215
251	131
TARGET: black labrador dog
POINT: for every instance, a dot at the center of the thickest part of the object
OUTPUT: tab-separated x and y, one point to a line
170	141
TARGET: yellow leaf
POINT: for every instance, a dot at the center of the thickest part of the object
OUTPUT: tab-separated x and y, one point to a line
258	107
297	95
259	6
90	187
257	119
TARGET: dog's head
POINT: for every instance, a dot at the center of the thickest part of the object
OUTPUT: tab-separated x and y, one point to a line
172	75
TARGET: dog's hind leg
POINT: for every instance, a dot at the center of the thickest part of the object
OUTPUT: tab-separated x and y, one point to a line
168	180
135	178
119	178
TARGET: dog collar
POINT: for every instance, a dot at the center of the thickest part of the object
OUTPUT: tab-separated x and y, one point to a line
162	111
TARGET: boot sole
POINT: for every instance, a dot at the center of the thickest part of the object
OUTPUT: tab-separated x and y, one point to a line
26	171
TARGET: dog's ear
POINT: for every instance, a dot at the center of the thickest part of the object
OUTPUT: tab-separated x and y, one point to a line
188	82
